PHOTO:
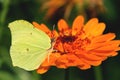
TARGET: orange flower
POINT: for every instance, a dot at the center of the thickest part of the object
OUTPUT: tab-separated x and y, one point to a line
80	45
55	6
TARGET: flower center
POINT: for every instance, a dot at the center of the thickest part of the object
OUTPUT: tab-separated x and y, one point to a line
67	39
66	44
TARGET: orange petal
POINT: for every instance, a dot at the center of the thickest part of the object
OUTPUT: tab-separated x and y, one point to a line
35	24
115	54
41	27
91	62
55	33
105	54
77	24
62	25
91	24
52	58
98	30
63	66
45	28
62	61
89	56
105	37
73	60
117	49
42	70
111	45
59	46
85	66
97	45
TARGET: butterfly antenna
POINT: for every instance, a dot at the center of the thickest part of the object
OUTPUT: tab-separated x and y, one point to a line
52	42
53	27
53	39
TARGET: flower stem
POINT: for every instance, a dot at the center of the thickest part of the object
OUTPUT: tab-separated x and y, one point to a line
98	73
67	74
5	7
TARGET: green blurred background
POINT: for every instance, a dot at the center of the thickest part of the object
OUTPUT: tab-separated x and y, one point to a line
30	10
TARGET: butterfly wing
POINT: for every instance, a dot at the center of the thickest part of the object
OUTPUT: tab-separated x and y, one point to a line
29	46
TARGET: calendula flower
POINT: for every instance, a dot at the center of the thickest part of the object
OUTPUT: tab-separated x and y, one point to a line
95	7
65	6
81	45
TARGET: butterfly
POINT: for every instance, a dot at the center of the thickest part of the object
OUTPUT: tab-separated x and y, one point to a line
29	46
